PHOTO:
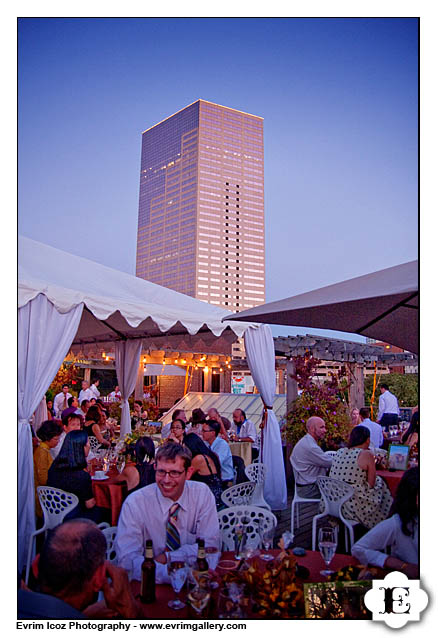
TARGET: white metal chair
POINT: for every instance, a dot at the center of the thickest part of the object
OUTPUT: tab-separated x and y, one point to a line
296	502
56	504
334	494
110	535
240	494
252	517
256	472
94	443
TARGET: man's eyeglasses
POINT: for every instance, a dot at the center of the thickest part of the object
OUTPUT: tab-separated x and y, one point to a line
209	430
173	473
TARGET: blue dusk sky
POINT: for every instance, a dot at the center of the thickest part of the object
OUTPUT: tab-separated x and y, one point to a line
339	102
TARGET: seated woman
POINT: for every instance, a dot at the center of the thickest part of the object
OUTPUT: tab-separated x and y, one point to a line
95	425
141	472
68	473
138	415
412	434
48	434
50	410
354	417
372	499
400	532
177	431
196	421
206	465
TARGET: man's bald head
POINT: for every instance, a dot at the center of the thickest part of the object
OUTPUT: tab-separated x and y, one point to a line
70	557
315	426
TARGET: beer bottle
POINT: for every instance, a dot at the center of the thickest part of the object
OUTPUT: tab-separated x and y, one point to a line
147	590
201	565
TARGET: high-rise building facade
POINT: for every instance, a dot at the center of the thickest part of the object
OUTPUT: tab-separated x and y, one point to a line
201	207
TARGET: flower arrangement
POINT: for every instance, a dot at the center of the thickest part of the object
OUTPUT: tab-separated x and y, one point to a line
275	588
318	399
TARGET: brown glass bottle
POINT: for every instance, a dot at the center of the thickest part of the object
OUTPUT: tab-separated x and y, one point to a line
201	565
147	590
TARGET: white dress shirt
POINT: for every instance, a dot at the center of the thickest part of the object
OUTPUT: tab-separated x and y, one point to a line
144	516
58	403
85	395
95	391
247	431
369	550
222	449
388	404
376	432
309	461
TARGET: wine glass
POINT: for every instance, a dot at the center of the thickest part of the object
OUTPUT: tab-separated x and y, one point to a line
267	538
120	464
212	554
178	573
327	543
198	598
239	532
288	538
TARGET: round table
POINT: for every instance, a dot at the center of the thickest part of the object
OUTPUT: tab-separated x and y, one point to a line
242	449
110	494
160	609
391	478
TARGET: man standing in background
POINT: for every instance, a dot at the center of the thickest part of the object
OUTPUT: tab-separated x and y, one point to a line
388	408
60	402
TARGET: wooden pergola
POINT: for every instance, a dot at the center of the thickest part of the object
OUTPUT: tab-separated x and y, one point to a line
355	355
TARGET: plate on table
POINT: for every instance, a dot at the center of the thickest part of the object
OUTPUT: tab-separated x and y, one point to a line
99	478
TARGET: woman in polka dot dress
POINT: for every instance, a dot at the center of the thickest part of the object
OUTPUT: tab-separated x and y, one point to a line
355	465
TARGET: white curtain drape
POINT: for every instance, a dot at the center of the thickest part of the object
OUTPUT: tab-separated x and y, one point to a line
40	414
44	339
260	354
127	359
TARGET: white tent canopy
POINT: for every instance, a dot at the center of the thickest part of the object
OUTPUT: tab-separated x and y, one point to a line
70	303
128	305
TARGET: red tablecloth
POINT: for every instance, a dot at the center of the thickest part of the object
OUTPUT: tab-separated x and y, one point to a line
160	609
110	494
392	479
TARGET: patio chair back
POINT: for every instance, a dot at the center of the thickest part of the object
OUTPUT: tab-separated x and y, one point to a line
240	494
257	472
246	515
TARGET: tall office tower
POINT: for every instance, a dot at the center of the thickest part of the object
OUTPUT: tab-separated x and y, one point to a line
201	210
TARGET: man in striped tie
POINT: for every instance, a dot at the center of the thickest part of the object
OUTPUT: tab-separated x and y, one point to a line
173	513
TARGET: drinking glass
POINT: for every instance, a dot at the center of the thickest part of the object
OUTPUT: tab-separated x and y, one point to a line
231	602
327	543
267	538
198	598
212	554
288	538
239	540
120	464
178	573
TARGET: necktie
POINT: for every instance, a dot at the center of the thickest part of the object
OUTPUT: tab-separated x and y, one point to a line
65	401
173	540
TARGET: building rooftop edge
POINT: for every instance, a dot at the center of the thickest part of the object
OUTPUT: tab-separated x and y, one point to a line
206	102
